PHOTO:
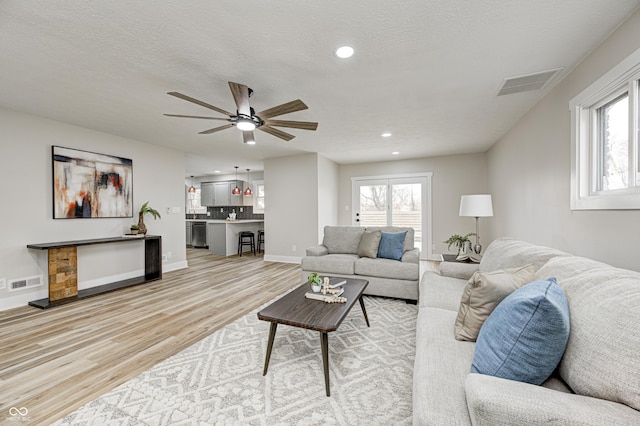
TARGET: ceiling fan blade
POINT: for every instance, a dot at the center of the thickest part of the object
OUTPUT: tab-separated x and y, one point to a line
240	94
305	125
292	106
215	129
197	102
275	132
248	137
196	116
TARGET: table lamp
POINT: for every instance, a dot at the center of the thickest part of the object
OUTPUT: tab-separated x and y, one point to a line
477	206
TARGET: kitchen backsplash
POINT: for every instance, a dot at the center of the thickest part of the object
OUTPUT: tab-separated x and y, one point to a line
246	213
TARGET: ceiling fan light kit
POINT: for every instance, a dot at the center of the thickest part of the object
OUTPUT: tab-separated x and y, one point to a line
246	119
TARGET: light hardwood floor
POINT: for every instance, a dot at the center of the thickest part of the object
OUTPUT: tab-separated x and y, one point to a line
56	360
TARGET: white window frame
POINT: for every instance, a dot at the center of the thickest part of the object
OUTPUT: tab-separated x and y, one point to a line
584	196
256	184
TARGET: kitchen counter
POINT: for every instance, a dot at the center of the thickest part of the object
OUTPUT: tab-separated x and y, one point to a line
227	221
222	235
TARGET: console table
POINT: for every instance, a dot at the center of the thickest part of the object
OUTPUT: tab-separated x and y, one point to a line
63	268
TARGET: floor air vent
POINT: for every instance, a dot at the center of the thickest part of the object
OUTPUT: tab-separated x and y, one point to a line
24	283
526	83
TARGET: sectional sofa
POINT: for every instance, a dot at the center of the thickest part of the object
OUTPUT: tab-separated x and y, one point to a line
343	254
597	381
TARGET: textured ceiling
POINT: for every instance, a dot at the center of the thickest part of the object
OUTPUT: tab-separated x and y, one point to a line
427	71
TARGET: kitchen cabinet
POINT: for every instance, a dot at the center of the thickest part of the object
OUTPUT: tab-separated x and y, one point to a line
223	193
219	194
188	229
207	194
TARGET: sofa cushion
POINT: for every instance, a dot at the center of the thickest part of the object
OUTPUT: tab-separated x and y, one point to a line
483	292
440	369
408	241
342	239
493	401
330	263
369	243
524	338
508	253
437	291
392	245
603	352
387	268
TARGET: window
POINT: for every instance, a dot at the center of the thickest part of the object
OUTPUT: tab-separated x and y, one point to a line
605	156
258	203
193	203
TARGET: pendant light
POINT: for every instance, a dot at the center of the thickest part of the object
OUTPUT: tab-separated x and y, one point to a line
192	189
236	190
248	192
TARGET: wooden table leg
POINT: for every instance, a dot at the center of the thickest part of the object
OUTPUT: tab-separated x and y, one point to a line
324	342
364	311
272	335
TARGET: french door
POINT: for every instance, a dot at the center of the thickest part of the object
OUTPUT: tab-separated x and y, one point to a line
395	201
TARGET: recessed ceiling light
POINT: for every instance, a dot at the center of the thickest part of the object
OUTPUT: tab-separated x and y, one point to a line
251	142
344	52
216	171
395	153
386	135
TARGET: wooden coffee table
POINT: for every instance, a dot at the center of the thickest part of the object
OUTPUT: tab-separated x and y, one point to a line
296	310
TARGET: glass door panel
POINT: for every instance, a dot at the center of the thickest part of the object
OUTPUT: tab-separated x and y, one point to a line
374	205
392	202
406	207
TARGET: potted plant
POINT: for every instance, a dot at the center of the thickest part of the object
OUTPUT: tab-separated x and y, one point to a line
460	242
315	281
144	209
135	228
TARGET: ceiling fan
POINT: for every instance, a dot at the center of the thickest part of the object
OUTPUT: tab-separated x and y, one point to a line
246	119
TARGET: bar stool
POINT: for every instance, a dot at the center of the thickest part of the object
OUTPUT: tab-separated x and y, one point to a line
260	239
246	238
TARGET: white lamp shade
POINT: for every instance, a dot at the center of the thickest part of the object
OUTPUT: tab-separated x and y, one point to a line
478	205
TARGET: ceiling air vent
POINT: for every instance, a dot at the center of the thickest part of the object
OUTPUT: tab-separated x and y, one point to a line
526	83
23	283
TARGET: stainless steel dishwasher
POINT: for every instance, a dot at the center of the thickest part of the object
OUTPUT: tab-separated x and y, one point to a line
199	234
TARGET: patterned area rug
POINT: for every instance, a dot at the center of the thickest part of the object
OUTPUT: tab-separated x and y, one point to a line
219	379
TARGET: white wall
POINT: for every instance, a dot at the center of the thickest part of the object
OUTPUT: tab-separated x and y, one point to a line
26	213
291	206
453	176
529	171
328	185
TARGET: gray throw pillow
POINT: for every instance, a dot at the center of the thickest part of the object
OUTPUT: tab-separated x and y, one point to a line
484	291
369	243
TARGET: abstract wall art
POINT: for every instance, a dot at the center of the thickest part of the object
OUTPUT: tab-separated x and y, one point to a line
91	185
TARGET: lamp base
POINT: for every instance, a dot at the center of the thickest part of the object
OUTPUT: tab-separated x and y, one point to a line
477	248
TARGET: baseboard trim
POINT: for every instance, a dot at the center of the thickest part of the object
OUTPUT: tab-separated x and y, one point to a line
282	259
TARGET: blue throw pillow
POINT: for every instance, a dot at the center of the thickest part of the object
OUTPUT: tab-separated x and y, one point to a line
392	245
525	336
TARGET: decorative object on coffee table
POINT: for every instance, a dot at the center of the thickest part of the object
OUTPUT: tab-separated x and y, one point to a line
314	281
144	209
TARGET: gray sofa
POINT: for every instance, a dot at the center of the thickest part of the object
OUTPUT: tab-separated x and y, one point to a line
338	256
597	381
